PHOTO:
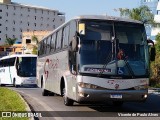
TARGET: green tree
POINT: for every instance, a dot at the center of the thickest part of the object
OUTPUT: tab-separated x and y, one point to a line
141	13
10	41
35	39
155	66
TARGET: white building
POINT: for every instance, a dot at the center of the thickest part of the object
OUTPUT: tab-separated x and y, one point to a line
154	6
16	18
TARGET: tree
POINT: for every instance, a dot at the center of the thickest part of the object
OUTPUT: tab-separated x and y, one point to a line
10	41
155	66
35	39
141	13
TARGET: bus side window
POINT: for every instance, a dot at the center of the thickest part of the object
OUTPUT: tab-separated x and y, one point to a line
48	45
59	38
53	42
66	36
1	63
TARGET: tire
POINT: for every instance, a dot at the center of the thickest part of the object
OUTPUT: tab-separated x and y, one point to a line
17	86
14	83
45	92
67	101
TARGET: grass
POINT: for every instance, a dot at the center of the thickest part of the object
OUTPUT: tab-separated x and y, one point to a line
11	101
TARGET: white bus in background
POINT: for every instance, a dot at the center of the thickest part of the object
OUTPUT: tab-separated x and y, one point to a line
18	70
96	59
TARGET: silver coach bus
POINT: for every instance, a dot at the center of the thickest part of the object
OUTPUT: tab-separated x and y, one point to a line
96	59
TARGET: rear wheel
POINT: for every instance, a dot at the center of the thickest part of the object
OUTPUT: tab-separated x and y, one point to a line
67	101
44	91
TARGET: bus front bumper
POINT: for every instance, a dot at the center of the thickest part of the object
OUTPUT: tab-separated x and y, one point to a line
90	95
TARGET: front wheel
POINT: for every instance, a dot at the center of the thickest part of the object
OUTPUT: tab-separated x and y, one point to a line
67	101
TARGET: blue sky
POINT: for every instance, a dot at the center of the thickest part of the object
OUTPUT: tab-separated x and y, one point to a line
73	8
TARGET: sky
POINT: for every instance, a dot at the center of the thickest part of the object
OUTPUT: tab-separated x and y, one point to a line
73	8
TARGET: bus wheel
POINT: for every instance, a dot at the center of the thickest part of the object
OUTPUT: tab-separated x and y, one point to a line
45	92
14	82
67	101
117	103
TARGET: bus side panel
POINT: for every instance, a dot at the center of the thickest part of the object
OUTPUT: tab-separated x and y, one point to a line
52	68
5	77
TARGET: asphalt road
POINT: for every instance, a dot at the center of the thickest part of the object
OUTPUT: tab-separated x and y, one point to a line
37	102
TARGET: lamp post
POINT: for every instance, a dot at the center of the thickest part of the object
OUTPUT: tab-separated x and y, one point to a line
23	48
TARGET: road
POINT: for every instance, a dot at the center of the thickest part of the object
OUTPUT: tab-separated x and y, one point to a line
99	111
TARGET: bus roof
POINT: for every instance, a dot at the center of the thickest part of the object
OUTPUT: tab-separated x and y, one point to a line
96	17
18	55
105	17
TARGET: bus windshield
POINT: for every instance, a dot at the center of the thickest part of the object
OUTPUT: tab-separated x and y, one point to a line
26	66
114	48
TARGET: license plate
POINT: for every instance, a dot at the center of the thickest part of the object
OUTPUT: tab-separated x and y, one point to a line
117	96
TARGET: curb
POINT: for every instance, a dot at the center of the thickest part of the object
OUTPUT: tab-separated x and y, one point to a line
26	104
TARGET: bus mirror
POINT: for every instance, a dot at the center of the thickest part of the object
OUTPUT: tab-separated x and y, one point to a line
152	54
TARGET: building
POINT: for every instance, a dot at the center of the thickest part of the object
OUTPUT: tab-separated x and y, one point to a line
16	18
28	44
154	6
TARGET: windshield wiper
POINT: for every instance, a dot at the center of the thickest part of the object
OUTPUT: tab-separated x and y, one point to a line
129	68
105	64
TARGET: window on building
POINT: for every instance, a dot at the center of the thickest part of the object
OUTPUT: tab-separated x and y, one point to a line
20	30
6	28
6	36
0	38
28	41
35	17
28	23
13	29
35	24
6	13
14	8
53	19
14	22
54	26
0	17
158	12
14	13
14	36
28	10
0	24
0	31
0	10
20	37
7	6
41	18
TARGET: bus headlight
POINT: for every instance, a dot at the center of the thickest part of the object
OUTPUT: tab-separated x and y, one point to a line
141	87
88	85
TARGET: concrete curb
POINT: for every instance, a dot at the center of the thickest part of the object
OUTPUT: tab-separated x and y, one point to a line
26	104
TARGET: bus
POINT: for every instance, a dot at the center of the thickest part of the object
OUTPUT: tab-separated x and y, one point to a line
18	70
96	59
